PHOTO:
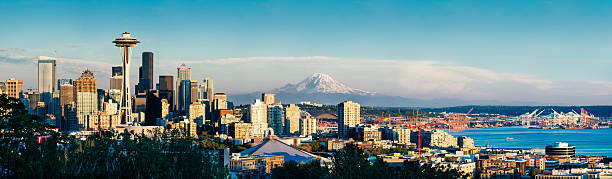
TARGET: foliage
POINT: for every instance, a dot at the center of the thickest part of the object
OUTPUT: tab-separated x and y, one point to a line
352	162
29	150
534	172
292	170
316	147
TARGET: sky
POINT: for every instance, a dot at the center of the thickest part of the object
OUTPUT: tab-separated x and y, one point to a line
544	51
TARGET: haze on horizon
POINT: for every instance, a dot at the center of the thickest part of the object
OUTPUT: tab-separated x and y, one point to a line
540	51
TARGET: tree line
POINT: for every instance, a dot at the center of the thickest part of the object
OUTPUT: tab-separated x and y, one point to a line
28	149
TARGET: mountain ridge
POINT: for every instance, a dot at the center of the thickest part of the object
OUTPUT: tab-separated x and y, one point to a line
322	88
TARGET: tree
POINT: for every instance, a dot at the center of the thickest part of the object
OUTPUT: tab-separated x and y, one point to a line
29	150
315	146
351	162
534	172
292	170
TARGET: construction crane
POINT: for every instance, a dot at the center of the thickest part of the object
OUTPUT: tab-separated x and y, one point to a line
458	120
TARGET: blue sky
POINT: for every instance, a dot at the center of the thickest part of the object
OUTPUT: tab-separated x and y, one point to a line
557	41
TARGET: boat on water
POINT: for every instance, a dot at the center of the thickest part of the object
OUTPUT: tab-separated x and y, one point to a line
509	139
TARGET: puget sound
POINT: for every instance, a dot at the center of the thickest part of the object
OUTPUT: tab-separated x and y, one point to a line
587	141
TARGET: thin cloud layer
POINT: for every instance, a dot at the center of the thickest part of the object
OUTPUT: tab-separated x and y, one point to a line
406	78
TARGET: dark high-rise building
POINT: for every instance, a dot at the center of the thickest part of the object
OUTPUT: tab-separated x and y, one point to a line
117	71
154	108
184	96
166	89
147	69
145	73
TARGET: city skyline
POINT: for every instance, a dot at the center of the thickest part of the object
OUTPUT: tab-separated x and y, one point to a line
477	61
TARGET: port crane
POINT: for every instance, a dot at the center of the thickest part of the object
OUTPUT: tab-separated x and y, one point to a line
459	120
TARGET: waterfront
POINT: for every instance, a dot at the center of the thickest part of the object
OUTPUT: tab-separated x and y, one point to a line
587	141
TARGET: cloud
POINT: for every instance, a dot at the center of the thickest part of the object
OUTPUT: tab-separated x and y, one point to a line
423	79
16	59
407	78
225	61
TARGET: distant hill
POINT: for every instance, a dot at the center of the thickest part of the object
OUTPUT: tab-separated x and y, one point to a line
322	88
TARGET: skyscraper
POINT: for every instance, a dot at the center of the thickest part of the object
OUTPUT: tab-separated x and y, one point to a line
276	119
125	42
207	85
86	97
182	73
66	90
166	89
196	113
194	91
14	87
268	98
292	119
145	81
348	116
184	97
46	74
206	95
258	117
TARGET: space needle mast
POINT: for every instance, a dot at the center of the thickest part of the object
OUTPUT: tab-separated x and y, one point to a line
124	43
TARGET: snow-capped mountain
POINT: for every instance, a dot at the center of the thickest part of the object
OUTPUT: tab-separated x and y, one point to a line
321	83
322	88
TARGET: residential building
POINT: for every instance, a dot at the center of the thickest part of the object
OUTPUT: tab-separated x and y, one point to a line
258	117
14	87
240	130
348	116
465	142
268	98
308	124
292	119
276	119
255	165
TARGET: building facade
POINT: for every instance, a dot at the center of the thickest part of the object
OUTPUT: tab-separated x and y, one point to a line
348	116
14	87
46	74
86	97
268	98
292	119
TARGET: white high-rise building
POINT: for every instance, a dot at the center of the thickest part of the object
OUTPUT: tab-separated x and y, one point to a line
348	116
46	74
308	124
258	116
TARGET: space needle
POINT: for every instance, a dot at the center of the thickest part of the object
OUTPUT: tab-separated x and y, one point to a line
124	43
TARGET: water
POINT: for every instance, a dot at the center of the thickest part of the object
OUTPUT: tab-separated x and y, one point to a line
587	141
